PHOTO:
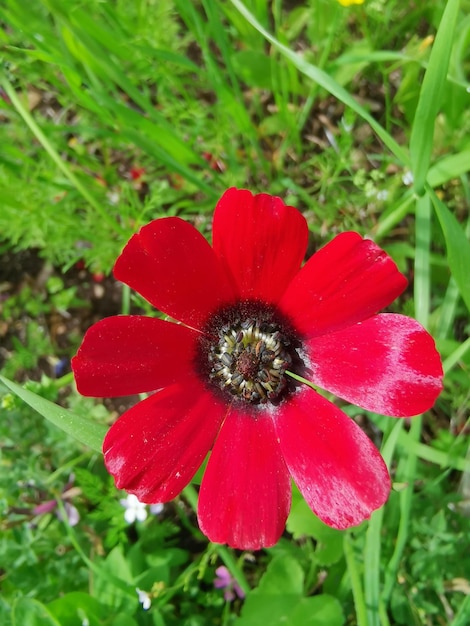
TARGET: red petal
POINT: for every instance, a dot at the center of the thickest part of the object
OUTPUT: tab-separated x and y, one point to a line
123	355
347	281
245	494
156	447
173	267
386	364
337	468
261	242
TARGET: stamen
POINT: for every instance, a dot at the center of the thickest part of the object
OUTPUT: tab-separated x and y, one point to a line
249	359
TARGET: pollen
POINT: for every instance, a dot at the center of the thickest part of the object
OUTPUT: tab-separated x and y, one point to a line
249	354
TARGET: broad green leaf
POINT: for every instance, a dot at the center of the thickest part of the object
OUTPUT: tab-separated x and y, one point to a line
253	67
30	612
77	608
116	566
284	573
86	431
323	610
279	600
302	522
458	247
276	597
430	97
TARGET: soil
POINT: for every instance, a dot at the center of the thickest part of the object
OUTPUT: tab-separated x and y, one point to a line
99	296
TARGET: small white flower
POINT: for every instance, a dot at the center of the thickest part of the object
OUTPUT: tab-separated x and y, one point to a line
407	178
144	599
135	509
382	194
113	197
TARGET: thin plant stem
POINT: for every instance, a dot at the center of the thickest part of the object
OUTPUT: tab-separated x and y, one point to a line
223	552
422	284
66	467
406	497
126	299
376	610
372	568
92	566
355	579
63	381
422	291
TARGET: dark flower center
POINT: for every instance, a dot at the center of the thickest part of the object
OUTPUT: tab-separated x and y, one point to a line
246	350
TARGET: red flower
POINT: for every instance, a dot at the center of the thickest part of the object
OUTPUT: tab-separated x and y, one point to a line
136	173
248	312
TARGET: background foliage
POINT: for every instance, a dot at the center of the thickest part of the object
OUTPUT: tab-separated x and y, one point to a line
113	113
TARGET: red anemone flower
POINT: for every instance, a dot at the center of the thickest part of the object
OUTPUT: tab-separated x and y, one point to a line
246	313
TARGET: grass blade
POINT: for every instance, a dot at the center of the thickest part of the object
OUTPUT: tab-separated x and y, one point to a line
458	247
52	152
87	432
430	97
372	571
326	82
449	167
422	284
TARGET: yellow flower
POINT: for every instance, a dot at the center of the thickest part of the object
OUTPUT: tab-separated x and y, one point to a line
348	3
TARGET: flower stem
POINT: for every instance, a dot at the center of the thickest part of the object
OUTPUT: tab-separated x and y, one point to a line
226	556
126	299
422	282
63	381
224	553
125	587
377	611
406	497
355	578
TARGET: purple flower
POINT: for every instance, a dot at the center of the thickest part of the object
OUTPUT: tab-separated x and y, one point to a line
60	367
71	513
225	580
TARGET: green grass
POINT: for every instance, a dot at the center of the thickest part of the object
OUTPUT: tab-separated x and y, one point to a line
358	116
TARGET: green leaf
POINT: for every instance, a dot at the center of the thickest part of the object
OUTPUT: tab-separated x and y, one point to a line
448	168
430	97
30	612
458	247
77	608
87	432
303	523
321	610
463	615
254	68
279	600
115	568
123	620
275	599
